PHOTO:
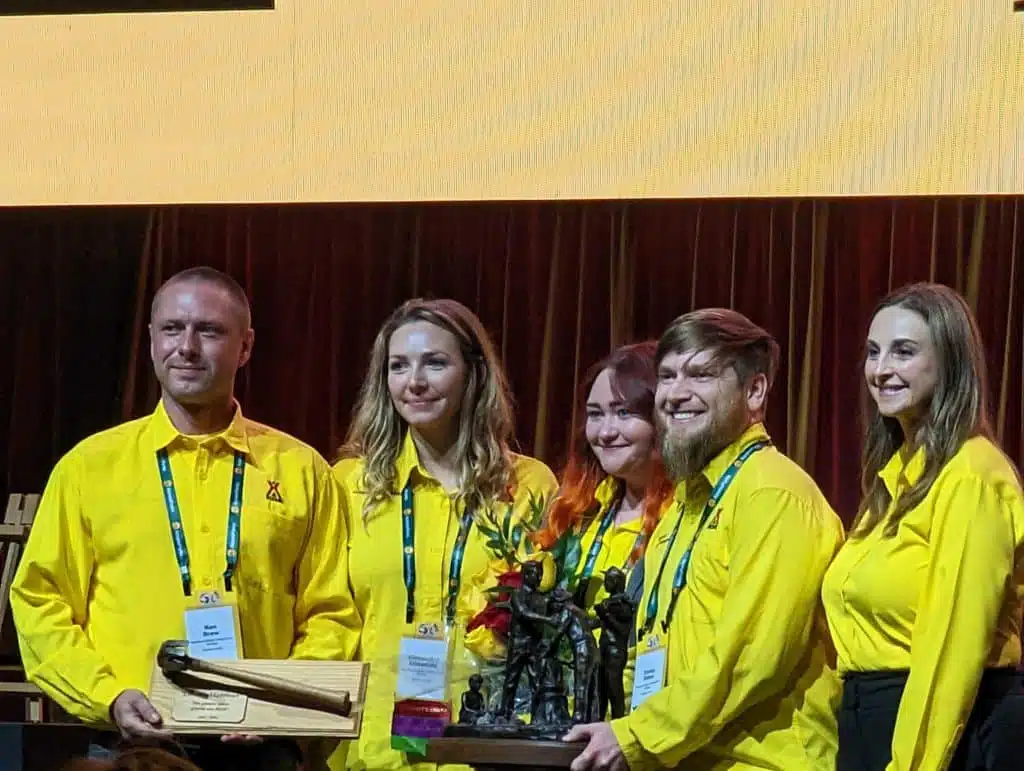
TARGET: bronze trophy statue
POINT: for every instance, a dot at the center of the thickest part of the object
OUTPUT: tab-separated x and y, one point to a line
616	613
547	635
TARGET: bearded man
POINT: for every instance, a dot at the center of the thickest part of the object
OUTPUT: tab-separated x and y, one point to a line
733	667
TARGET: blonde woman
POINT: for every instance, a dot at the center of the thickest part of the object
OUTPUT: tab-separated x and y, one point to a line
426	461
924	600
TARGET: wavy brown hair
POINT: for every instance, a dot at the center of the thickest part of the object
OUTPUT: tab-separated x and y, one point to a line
957	411
633	381
485	421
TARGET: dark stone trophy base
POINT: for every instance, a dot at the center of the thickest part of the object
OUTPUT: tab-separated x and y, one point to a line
505	745
495	753
551	732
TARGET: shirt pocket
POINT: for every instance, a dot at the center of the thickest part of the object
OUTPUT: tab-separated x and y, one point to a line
272	542
708	574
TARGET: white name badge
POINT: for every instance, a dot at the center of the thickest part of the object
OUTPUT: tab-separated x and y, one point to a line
211	632
649	671
423	666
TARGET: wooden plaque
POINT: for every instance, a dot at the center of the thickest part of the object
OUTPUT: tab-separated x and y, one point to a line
195	703
503	754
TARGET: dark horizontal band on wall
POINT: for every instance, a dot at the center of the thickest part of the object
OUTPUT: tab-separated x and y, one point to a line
64	7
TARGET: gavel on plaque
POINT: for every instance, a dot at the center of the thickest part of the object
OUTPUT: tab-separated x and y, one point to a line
173	659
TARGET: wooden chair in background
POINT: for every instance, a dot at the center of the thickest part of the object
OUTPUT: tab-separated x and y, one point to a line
17	522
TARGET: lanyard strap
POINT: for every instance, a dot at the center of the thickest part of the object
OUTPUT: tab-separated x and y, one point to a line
679	580
595	547
178	530
641	539
409	559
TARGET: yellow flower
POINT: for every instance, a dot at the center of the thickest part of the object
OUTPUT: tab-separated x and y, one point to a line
484	643
549	571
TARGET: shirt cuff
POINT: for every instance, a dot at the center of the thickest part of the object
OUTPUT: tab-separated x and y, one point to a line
636	757
103	696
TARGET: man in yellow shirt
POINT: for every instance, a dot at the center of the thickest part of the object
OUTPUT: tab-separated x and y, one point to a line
732	669
192	517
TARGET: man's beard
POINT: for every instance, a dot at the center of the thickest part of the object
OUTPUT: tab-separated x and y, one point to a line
686	456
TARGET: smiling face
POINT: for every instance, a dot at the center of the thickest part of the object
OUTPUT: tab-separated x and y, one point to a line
901	367
198	341
622	439
426	376
701	408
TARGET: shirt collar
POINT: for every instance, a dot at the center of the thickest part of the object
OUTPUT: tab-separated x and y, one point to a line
408	461
910	471
606	491
714	470
163	433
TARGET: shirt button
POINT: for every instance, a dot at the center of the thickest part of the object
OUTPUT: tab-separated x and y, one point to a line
204	529
207	583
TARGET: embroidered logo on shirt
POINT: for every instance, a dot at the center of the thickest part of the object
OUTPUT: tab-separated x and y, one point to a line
274	491
713	524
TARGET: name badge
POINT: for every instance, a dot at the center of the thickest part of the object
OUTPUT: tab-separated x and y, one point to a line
212	629
649	671
423	664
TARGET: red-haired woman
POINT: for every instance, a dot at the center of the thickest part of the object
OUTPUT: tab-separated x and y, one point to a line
613	487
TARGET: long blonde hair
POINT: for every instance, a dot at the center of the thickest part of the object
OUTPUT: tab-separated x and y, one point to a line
486	418
958	409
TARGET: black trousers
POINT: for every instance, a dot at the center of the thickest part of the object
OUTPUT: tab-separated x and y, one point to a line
991	741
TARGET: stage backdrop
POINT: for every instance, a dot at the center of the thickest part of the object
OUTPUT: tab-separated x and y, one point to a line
556	284
390	100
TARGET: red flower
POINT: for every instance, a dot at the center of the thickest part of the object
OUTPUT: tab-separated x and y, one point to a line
493	617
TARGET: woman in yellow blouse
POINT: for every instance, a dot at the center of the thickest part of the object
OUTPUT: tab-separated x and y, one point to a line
426	460
613	486
924	600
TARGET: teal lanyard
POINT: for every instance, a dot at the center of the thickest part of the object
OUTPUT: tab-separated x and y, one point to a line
178	530
595	547
679	581
409	559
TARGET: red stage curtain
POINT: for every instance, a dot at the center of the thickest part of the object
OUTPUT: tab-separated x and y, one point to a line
67	287
558	284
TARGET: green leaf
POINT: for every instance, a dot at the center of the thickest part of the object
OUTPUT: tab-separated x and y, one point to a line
574	550
557	551
537	507
517	536
506	523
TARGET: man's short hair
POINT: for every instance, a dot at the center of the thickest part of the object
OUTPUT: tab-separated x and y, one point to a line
734	339
208	275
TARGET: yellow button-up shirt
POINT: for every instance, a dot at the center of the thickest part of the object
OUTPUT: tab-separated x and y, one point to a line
616	547
616	544
748	682
942	598
378	585
98	588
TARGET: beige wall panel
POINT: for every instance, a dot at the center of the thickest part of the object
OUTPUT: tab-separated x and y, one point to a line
146	107
389	100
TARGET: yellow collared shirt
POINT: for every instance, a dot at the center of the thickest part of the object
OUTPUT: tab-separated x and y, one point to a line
748	684
616	544
942	598
376	575
98	588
